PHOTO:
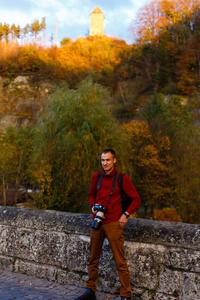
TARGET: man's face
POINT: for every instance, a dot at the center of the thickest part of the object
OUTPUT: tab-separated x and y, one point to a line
107	162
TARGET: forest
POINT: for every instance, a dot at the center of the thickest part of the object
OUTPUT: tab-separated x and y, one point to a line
143	100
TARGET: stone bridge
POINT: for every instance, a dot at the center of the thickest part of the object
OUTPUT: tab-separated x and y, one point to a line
163	257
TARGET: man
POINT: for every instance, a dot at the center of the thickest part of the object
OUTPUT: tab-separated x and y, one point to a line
112	225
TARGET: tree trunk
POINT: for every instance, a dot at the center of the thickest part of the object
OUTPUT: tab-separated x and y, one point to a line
4	191
18	176
121	92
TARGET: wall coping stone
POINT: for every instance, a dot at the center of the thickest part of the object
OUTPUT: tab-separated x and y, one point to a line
137	230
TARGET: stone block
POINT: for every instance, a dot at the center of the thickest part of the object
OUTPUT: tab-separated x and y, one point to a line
145	267
38	270
36	245
78	253
21	80
169	282
3	235
160	296
7	263
183	259
190	286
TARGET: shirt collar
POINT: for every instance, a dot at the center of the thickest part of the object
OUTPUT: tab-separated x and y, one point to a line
111	174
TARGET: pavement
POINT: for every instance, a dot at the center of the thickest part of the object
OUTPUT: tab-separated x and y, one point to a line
20	286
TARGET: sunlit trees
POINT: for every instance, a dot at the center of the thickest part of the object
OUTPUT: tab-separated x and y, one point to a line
167	36
6	31
66	42
1	31
37	27
154	17
14	32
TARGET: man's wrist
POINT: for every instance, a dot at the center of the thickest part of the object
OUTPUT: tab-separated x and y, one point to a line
126	214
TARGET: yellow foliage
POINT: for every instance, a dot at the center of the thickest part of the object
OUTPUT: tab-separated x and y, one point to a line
150	156
134	215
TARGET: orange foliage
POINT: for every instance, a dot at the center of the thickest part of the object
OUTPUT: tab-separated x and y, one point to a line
167	214
98	56
158	14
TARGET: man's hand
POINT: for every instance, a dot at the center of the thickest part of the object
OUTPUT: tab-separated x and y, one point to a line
94	211
122	221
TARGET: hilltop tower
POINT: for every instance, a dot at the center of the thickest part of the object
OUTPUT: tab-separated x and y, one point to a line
96	22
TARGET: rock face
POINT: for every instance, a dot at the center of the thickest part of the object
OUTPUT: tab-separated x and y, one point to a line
24	99
163	257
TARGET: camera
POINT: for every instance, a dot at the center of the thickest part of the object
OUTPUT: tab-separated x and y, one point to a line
97	222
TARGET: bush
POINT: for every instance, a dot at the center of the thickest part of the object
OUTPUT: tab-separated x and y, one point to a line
167	214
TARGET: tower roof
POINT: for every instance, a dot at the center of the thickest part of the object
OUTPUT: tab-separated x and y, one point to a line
97	11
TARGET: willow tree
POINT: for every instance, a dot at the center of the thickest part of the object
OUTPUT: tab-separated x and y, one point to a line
69	141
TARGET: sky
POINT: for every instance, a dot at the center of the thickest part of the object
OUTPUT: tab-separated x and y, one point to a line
73	16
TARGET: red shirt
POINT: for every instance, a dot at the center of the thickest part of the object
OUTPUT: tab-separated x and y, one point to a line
115	206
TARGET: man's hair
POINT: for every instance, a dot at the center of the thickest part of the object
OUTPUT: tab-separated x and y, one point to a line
109	150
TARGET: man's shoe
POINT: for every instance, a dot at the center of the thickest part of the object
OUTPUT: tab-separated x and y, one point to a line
125	298
88	295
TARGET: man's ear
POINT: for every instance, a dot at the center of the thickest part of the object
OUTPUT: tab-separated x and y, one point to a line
115	160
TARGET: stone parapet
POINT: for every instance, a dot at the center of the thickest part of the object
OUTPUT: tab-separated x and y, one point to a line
163	257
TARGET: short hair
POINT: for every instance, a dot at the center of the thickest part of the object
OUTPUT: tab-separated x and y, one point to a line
109	150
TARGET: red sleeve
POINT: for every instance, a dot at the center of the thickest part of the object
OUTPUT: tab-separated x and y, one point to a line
92	191
131	192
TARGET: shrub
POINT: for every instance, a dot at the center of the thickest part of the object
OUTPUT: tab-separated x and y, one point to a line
166	214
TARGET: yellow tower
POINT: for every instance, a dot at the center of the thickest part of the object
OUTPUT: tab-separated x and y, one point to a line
96	22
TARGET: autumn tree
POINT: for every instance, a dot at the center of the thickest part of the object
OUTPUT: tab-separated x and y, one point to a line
6	31
1	31
171	117
158	14
166	34
66	42
17	31
151	163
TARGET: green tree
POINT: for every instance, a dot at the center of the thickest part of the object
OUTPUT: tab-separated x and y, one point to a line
69	140
15	150
7	165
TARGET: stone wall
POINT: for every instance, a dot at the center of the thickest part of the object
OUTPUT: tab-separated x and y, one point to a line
163	257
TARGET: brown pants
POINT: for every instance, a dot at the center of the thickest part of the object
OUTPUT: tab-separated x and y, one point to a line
115	235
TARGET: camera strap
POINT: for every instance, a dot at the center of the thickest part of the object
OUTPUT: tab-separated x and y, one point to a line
98	187
111	189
